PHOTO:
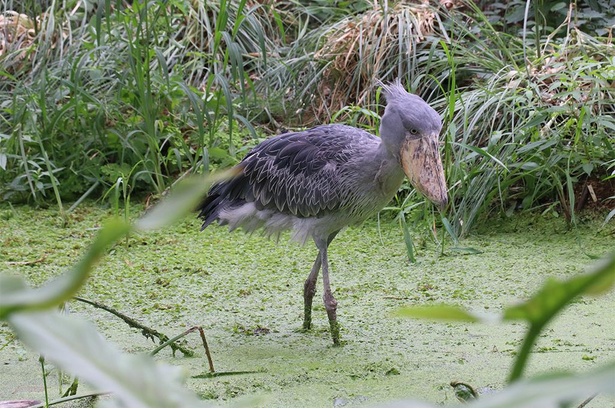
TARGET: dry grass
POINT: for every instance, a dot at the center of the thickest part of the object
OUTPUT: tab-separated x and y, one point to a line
362	49
17	34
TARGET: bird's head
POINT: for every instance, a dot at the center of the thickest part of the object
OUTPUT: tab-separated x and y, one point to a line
410	129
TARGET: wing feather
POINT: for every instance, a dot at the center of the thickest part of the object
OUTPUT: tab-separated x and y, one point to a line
302	173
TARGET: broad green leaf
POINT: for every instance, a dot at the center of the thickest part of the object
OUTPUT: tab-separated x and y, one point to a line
552	391
184	198
437	312
556	294
20	297
76	347
218	153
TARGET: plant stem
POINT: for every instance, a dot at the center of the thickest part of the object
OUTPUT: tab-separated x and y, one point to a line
41	359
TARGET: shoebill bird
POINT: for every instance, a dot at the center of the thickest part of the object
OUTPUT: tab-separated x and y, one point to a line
318	181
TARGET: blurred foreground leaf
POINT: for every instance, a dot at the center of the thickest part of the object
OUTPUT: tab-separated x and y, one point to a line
552	391
76	347
550	300
183	199
16	296
556	294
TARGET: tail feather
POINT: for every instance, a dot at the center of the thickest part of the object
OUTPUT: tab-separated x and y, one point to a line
224	195
209	209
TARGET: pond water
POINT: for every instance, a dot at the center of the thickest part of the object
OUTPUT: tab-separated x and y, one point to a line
246	292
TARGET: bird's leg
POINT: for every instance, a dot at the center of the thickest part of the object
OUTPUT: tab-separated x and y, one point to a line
330	302
309	289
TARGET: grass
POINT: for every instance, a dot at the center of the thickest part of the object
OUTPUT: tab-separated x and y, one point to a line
110	93
114	101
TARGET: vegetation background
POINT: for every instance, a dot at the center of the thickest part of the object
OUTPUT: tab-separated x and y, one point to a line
109	99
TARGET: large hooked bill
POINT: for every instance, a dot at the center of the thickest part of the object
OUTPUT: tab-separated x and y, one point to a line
422	165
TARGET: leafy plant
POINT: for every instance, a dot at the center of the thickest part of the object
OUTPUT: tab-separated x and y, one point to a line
166	88
521	138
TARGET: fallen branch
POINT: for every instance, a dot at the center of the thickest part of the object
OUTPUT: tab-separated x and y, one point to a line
27	263
147	332
183	334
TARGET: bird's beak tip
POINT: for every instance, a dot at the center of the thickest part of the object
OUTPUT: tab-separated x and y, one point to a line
442	204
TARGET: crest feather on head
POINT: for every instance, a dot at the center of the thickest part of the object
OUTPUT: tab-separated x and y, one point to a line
394	90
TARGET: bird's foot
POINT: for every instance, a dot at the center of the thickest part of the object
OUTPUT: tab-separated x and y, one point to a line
307	319
331	307
335	333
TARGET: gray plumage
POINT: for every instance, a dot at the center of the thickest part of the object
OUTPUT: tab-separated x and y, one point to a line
313	182
318	181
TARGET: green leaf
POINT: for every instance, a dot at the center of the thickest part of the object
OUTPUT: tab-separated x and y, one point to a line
588	168
608	217
550	300
18	297
75	346
437	312
449	229
556	294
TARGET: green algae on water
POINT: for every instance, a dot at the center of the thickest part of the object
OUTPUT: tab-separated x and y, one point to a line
232	284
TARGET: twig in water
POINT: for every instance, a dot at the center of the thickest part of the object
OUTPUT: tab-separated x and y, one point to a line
147	332
27	263
183	334
70	398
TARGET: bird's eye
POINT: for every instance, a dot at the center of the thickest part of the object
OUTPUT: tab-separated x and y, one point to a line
413	133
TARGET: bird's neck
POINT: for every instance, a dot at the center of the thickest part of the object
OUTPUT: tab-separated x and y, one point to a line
387	153
390	173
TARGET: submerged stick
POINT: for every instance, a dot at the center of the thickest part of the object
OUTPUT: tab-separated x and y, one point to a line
183	334
211	362
145	330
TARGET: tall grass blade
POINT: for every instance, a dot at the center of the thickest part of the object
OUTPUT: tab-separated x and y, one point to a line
407	238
